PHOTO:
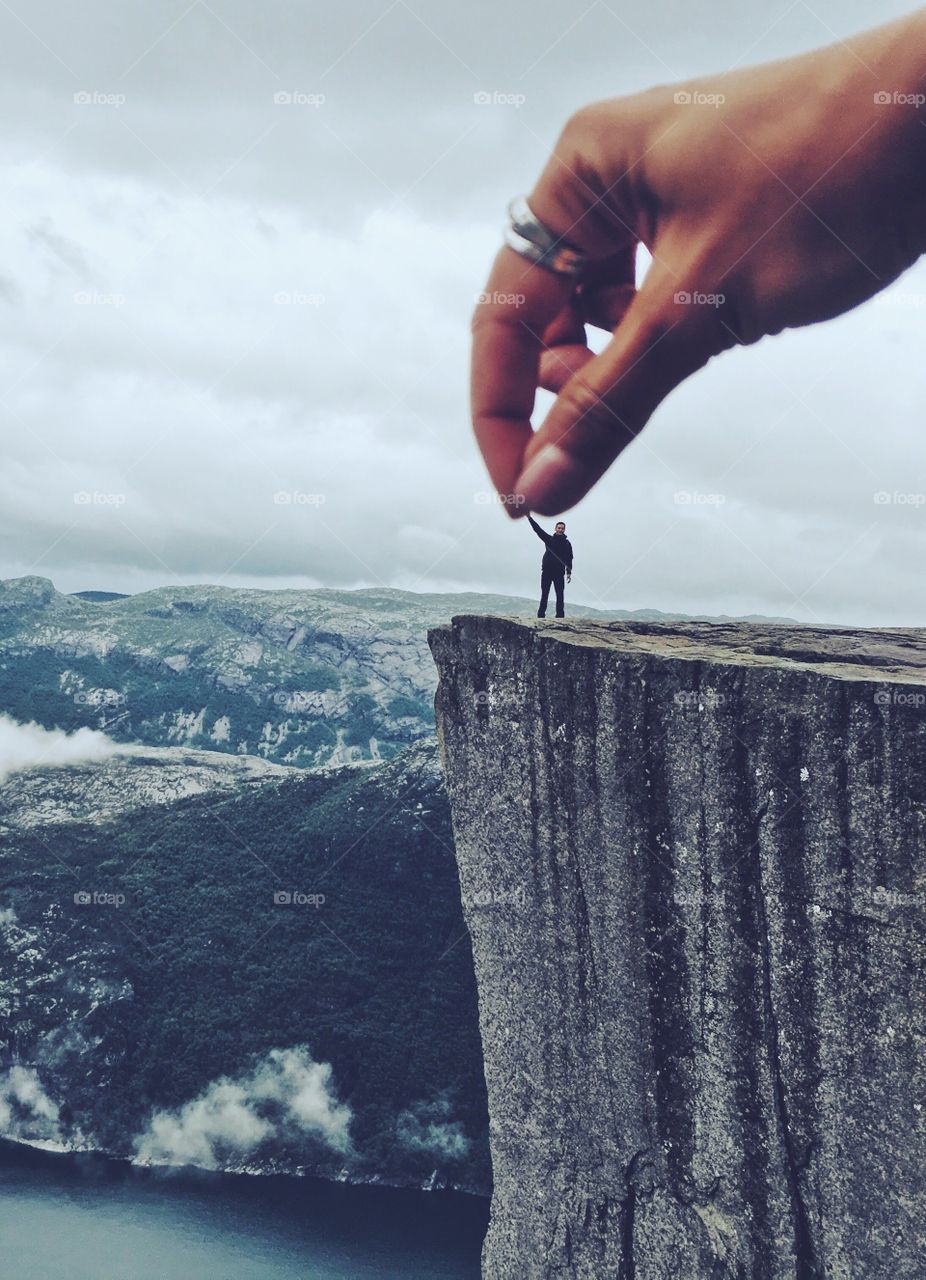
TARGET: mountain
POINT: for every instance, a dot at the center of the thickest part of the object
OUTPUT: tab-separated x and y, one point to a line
214	960
95	791
298	677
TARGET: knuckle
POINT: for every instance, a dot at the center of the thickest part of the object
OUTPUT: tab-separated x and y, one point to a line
584	122
590	179
597	120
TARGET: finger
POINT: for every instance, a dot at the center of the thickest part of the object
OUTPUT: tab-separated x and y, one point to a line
610	399
564	350
561	360
608	290
507	334
520	302
559	364
607	308
514	311
602	299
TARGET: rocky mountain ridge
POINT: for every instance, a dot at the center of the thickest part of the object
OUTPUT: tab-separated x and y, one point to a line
299	677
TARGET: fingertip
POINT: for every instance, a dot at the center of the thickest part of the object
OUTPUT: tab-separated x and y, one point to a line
553	481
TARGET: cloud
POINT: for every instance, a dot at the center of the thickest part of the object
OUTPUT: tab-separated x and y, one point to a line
153	365
29	746
427	1128
288	1095
26	1110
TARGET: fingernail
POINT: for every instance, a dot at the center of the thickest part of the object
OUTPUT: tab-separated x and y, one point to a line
552	475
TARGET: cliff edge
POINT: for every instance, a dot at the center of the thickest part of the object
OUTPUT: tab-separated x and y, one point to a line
692	865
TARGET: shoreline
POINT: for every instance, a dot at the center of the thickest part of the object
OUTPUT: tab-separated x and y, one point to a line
55	1151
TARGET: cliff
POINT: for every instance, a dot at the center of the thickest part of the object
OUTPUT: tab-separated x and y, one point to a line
691	865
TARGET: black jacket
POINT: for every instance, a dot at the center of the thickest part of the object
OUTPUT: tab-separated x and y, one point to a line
558	555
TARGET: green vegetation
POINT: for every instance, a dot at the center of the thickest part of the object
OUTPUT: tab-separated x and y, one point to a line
377	979
146	701
402	705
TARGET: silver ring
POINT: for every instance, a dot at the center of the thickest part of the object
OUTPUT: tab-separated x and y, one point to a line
533	240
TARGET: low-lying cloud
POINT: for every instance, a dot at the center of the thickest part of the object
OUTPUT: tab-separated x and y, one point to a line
287	1095
427	1127
30	746
27	1112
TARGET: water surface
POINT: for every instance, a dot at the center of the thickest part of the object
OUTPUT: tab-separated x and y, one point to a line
88	1218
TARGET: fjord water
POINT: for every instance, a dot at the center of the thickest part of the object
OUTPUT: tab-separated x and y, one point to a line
87	1218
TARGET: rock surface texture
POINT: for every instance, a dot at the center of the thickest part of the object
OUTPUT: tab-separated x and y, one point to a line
692	865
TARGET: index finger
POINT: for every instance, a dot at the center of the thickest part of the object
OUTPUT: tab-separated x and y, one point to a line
518	303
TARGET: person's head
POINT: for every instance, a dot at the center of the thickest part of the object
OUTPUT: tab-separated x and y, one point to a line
560	526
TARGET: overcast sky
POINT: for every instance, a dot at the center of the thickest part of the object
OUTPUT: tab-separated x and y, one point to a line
241	246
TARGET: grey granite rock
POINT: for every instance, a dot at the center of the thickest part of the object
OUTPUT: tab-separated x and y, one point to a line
692	864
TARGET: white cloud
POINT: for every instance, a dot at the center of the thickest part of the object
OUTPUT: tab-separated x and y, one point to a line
286	1094
427	1127
26	1110
181	394
28	746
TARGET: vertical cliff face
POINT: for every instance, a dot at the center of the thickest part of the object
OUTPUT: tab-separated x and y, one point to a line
692	864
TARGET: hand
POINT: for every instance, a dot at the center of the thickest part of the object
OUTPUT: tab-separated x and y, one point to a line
769	198
569	577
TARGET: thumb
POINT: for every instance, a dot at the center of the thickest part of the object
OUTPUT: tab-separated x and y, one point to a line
663	338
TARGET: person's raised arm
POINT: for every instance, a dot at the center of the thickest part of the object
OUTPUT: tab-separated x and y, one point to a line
769	197
542	534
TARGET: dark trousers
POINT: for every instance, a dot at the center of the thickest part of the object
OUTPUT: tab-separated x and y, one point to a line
558	580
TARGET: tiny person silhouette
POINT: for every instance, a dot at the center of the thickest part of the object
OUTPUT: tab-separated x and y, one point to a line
556	565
